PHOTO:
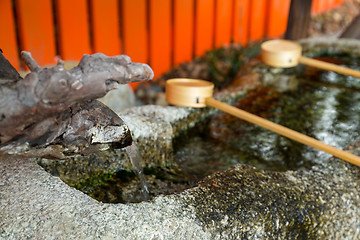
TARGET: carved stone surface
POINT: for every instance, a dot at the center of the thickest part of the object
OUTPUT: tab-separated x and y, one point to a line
40	105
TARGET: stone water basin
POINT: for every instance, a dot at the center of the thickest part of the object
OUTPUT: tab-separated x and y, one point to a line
243	182
323	105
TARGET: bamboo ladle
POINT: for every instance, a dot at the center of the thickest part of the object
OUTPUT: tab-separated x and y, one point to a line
285	53
198	93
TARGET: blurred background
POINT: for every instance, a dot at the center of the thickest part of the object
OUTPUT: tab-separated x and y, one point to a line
162	33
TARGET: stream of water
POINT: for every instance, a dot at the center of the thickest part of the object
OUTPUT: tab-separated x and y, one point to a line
136	161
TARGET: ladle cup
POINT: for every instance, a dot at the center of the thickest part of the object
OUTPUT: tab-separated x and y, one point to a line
285	53
198	93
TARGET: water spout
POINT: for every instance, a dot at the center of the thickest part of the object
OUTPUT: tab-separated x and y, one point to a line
136	160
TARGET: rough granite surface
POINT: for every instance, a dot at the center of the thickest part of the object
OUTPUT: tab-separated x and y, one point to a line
36	205
240	203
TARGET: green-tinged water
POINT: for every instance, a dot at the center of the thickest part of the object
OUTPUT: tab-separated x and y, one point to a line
328	114
325	106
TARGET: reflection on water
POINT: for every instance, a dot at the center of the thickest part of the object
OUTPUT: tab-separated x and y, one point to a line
328	114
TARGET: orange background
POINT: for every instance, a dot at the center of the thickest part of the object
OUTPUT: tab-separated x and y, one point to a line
162	33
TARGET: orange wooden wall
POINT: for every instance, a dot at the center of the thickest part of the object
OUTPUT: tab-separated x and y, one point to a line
73	28
162	33
8	41
204	26
105	26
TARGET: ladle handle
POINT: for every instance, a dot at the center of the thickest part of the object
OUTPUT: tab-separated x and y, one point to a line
283	131
329	66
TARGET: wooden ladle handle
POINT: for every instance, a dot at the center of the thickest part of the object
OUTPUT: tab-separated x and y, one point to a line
329	66
351	158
